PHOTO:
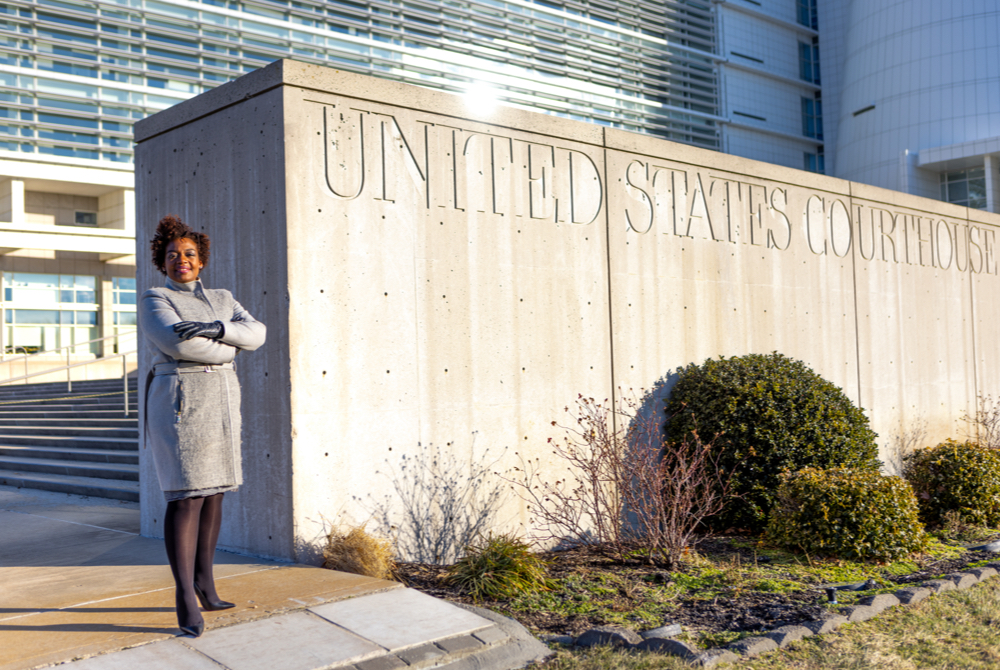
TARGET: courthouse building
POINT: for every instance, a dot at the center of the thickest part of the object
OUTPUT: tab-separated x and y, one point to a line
902	95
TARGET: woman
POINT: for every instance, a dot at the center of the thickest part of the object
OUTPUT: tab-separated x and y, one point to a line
192	408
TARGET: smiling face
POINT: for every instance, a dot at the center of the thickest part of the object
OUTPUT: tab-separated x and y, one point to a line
182	262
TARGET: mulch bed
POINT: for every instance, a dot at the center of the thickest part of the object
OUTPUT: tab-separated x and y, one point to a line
745	611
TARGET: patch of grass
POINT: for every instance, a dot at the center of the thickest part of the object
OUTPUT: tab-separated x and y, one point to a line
499	566
618	599
957	630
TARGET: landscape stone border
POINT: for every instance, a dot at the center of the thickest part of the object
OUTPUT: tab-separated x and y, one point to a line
865	609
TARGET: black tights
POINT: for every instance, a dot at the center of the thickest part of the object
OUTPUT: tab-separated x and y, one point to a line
191	530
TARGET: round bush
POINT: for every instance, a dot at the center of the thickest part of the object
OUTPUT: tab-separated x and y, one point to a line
854	514
956	476
772	414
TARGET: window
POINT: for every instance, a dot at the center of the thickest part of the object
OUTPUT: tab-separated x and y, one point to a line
809	61
806	13
46	311
814	162
812	118
86	218
965	187
31	289
123	299
123	290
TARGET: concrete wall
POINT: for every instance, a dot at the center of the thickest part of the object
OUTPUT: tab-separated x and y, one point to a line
438	282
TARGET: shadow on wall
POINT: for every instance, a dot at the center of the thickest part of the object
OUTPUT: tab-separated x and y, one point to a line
438	503
908	439
650	405
648	413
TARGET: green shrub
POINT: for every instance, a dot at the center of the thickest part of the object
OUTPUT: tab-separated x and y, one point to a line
961	477
854	514
772	414
499	566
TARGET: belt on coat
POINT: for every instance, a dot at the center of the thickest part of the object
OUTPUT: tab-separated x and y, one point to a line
184	367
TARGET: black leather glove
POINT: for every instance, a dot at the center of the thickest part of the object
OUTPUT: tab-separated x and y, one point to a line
189	329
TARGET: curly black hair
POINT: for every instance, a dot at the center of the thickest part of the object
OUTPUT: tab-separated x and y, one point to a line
170	229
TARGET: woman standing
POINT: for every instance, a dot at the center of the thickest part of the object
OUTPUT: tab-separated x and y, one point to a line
192	408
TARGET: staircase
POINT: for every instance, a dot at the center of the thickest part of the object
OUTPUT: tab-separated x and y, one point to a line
79	442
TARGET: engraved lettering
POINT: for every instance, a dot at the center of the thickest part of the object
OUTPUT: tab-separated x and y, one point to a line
541	162
779	204
975	265
678	192
586	190
344	152
815	208
699	216
887	236
961	242
396	149
636	176
861	232
940	246
841	231
989	245
924	241
737	211
501	171
758	201
478	173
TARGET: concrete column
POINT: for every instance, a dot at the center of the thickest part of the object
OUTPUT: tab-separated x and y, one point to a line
992	166
117	210
12	201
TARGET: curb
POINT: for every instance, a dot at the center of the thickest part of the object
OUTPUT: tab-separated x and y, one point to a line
865	609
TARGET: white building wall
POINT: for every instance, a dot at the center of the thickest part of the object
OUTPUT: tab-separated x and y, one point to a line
761	89
780	103
766	147
770	47
932	71
833	20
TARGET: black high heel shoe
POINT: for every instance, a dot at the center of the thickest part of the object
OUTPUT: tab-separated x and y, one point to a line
211	605
192	629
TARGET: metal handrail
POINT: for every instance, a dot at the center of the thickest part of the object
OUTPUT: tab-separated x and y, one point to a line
69	352
70	366
70	346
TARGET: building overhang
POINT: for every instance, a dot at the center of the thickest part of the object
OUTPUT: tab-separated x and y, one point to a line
961	156
110	243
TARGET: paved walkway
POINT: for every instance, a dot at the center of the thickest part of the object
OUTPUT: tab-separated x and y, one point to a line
77	582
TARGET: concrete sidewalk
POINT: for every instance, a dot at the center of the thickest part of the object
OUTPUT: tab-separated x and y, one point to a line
77	582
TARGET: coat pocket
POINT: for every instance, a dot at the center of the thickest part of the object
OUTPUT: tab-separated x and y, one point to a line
179	403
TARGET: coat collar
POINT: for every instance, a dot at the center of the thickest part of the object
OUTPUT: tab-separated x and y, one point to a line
188	287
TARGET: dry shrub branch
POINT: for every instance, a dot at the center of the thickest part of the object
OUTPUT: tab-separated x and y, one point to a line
623	489
674	486
984	425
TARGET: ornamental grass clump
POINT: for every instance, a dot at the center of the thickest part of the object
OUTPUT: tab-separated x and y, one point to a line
845	513
962	477
358	552
499	566
771	414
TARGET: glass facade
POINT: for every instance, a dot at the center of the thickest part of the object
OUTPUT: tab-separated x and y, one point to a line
809	61
812	118
48	311
76	74
965	187
807	14
123	314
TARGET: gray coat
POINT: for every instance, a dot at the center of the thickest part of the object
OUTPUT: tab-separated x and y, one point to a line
192	420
